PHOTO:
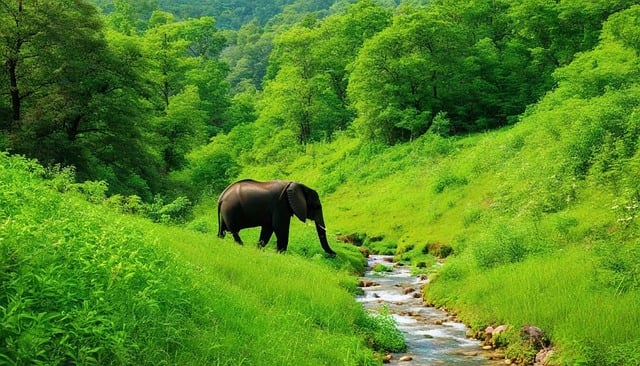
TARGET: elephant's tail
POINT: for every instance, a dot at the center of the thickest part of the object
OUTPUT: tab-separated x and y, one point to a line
221	226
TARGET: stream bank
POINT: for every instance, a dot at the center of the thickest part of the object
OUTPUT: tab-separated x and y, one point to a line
432	336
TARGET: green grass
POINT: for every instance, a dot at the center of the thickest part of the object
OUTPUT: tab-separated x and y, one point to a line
81	283
540	219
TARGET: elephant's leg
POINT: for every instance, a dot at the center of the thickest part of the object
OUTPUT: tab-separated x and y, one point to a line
265	236
236	237
282	234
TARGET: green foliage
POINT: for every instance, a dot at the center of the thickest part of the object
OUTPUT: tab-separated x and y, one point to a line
508	244
78	288
383	334
178	210
83	284
382	268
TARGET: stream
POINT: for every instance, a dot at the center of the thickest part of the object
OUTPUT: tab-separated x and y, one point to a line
432	337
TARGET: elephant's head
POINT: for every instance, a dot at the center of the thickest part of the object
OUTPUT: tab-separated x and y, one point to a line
305	204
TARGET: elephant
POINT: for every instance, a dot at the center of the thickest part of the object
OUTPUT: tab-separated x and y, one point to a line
270	205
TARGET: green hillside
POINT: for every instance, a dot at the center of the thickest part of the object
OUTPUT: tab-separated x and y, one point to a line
540	217
492	144
83	284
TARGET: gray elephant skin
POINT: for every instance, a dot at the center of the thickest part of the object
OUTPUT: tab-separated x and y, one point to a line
269	205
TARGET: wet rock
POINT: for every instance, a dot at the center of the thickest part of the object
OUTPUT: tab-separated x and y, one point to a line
543	357
417	295
366	252
534	336
387	358
408	290
406	358
367	283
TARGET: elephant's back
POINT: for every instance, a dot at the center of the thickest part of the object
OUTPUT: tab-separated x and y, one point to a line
250	188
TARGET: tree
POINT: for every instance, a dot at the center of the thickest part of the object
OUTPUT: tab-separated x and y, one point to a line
74	99
308	71
182	127
404	74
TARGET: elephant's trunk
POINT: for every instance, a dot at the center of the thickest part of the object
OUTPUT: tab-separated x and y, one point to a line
322	234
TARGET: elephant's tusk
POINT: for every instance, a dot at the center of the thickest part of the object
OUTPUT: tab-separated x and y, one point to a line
322	227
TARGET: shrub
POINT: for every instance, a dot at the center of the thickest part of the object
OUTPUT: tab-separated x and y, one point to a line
449	180
178	210
383	333
78	287
508	244
378	267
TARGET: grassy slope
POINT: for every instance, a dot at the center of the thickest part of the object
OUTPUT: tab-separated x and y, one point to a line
533	244
81	283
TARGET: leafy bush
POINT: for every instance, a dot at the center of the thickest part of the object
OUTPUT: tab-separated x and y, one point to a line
179	210
78	288
508	244
448	180
383	333
211	169
378	267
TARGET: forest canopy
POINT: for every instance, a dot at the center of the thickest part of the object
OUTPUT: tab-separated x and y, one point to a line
157	100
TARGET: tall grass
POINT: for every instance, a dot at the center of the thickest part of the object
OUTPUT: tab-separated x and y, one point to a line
537	237
82	284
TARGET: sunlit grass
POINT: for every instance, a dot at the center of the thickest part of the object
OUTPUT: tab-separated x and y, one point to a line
81	283
529	242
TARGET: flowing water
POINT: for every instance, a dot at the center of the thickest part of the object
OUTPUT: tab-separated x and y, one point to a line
432	337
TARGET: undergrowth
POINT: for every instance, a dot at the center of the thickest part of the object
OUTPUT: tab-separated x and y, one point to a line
81	283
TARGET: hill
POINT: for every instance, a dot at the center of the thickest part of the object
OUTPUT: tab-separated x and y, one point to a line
83	284
538	221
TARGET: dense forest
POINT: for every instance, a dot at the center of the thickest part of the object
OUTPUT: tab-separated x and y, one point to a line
513	122
133	98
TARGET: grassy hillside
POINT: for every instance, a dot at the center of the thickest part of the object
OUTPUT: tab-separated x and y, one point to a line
531	244
80	283
540	218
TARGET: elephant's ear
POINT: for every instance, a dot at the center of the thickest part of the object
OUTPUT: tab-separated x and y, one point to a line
297	200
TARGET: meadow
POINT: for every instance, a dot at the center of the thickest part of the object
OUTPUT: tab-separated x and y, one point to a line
539	220
82	283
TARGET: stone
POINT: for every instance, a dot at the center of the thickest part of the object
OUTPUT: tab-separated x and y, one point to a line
406	358
407	290
367	283
387	358
534	336
543	357
500	329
